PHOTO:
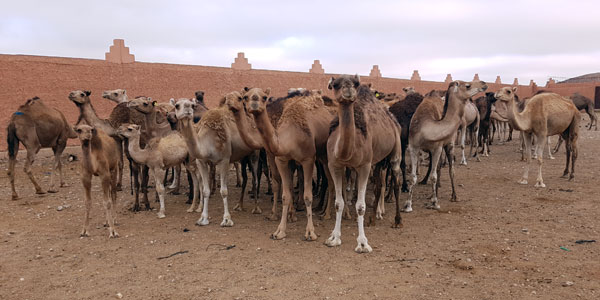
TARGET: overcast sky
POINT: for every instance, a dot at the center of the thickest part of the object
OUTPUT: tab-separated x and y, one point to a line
524	39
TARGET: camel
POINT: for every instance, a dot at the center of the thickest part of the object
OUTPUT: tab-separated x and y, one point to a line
484	106
37	126
363	135
470	122
118	96
301	135
433	127
585	103
100	158
149	108
545	114
161	153
121	114
217	141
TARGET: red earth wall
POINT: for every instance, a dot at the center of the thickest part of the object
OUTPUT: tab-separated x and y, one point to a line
52	78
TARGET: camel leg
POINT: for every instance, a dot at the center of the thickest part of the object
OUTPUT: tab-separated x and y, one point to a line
286	182
135	173
86	180
435	158
403	145
395	166
463	134
558	143
106	186
11	174
255	182
120	166
158	174
414	153
223	167
475	141
276	176
31	152
379	190
238	179
541	139
174	187
337	176
449	150
243	168
549	150
205	174
113	193
362	179
192	171
58	150
527	153
573	152
307	168
144	186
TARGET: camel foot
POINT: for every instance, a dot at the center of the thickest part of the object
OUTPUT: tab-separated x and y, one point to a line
278	234
404	188
552	157
565	175
40	192
238	207
15	197
379	215
119	187
135	208
433	205
346	215
257	210
463	163
325	216
84	233
478	159
407	208
363	246
523	181
540	184
227	222
113	234
272	217
203	221
571	177
397	222
191	209
333	241
174	192
161	215
310	236
292	218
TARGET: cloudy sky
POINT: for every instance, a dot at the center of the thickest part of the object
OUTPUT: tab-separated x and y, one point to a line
524	39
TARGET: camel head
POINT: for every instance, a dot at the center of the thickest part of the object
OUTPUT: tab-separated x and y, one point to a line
117	95
409	90
80	97
85	132
233	101
255	99
345	88
465	89
184	108
142	104
129	130
199	96
379	95
506	93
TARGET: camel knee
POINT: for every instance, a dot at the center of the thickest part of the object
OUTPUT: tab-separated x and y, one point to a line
360	209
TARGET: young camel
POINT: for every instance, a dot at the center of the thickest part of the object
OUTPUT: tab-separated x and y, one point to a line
37	126
159	155
216	141
100	158
544	115
301	136
470	123
364	134
433	128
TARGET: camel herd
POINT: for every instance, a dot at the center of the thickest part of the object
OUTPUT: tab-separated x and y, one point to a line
359	135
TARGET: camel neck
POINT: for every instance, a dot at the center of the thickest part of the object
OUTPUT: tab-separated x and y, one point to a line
448	125
515	117
191	138
248	134
136	152
88	113
268	133
347	135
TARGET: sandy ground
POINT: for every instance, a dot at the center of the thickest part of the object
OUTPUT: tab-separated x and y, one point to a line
501	241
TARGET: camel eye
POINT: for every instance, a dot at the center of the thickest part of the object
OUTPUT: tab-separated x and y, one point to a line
508	92
468	86
129	129
82	95
145	104
115	94
245	97
239	98
176	106
78	130
336	86
264	98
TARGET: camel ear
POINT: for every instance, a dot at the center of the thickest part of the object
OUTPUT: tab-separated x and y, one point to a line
154	103
514	89
94	131
454	84
87	93
369	85
405	89
357	78
246	89
268	91
330	83
172	101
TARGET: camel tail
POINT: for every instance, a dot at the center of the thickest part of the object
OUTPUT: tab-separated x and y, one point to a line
12	140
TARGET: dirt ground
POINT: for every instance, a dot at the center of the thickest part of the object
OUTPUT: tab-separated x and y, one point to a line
502	240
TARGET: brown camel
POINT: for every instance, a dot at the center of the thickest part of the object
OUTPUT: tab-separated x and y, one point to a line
160	154
151	109
433	127
121	114
118	96
585	103
100	158
363	135
37	126
216	141
301	136
545	114
484	106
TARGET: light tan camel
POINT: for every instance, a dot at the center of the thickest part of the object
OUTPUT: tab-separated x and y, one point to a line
37	126
159	155
433	127
118	96
364	134
544	115
151	109
217	141
301	135
100	158
470	123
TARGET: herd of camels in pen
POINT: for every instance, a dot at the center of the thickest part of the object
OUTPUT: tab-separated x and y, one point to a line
334	146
